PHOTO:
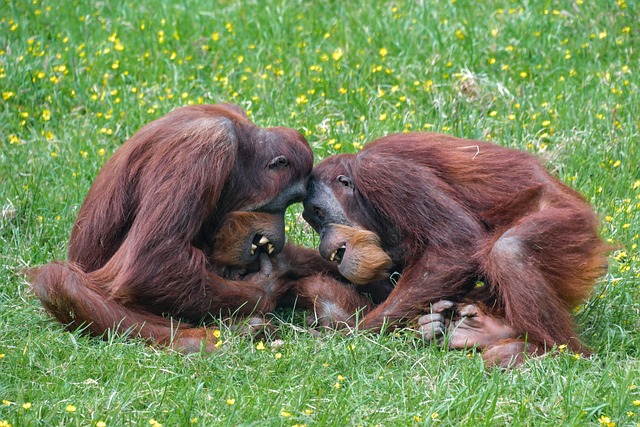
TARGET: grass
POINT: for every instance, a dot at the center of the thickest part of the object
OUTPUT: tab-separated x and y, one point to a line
77	78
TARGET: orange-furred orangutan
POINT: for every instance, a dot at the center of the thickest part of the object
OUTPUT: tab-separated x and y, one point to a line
142	250
451	214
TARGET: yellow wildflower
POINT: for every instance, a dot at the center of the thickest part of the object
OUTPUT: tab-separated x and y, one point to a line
606	421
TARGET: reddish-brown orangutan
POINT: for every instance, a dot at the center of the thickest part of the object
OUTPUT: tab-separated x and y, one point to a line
463	221
139	252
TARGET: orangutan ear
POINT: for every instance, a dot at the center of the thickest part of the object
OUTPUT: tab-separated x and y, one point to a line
345	181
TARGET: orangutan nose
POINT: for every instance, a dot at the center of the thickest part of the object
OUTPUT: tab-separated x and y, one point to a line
314	215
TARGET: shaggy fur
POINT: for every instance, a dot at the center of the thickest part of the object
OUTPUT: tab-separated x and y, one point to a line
141	247
452	212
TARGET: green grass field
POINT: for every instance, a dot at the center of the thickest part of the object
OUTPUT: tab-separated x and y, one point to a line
77	78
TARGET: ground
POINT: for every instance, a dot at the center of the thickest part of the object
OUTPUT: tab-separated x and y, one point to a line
77	78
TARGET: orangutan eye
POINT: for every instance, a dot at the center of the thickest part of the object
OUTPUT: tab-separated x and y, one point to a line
278	162
345	181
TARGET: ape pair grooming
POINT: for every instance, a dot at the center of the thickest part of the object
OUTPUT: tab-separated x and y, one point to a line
186	220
